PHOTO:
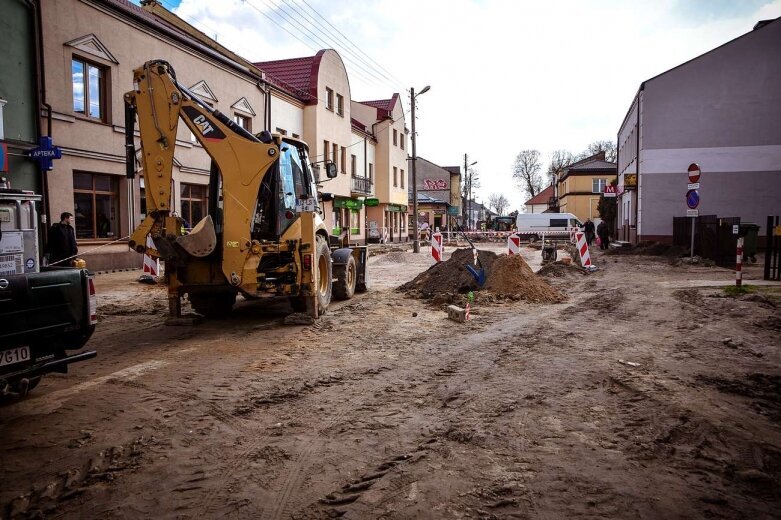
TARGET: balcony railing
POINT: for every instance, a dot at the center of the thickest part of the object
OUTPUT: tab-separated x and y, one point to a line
362	185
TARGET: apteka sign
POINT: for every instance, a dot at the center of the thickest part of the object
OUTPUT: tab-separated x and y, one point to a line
45	153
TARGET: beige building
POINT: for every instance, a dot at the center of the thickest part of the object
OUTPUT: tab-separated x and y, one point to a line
90	50
580	185
386	119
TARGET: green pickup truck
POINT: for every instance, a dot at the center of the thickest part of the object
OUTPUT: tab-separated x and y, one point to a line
45	314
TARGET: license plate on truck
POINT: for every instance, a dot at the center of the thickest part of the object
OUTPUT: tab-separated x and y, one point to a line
15	355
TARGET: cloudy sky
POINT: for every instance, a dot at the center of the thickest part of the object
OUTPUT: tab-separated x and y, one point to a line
505	75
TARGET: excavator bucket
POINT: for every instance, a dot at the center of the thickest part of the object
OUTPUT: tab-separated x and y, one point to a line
202	240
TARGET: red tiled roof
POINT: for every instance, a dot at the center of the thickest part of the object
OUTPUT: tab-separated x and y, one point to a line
294	75
384	106
296	72
542	197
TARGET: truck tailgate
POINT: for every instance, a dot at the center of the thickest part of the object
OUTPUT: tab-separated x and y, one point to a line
38	307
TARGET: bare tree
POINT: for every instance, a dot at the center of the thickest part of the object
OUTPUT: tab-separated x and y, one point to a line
609	147
498	203
559	159
526	172
470	182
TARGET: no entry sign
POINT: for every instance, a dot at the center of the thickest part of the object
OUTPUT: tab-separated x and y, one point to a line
694	172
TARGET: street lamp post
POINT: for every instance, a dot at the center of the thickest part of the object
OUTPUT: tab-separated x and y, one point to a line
416	237
468	181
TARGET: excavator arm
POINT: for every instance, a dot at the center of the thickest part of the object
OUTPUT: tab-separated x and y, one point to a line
242	159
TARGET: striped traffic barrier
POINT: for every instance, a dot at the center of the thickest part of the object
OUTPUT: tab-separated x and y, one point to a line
513	245
151	265
582	246
739	264
436	247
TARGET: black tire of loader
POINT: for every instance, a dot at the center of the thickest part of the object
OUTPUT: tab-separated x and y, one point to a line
324	289
345	277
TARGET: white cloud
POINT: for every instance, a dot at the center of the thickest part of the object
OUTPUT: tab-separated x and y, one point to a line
504	75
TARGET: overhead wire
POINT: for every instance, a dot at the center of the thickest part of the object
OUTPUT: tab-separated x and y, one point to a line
380	67
335	38
286	15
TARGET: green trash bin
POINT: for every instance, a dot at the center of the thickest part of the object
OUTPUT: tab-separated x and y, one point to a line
750	233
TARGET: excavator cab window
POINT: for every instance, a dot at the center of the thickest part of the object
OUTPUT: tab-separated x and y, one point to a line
292	184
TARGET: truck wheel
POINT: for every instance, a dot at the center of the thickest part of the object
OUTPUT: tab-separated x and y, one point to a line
345	277
324	276
214	306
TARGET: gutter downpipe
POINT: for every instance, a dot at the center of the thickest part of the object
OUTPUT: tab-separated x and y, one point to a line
638	213
40	101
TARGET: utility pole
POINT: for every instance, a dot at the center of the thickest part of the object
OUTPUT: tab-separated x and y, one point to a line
416	236
468	190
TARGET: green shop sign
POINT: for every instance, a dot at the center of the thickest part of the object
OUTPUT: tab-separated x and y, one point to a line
452	210
370	203
348	203
398	208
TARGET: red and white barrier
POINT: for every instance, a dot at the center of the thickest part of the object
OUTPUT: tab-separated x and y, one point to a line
466	314
739	264
151	265
582	246
513	245
572	235
436	247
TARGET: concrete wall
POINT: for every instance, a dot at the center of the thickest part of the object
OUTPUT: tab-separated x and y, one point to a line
721	111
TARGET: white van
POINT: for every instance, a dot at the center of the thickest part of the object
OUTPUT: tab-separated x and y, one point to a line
534	225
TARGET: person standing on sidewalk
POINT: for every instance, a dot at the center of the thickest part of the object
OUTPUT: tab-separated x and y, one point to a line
602	232
588	229
62	241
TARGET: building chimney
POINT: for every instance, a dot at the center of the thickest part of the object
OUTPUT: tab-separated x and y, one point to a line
150	3
760	24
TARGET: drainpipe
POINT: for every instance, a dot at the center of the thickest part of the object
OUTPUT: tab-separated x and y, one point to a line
637	167
40	101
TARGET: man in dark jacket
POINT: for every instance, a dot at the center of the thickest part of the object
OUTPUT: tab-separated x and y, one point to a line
603	234
62	241
588	229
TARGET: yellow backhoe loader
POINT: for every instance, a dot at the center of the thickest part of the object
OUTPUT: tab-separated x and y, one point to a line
264	234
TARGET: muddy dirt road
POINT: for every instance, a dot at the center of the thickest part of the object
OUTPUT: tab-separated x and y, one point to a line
638	397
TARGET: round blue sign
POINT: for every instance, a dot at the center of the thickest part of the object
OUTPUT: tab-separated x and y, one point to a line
692	199
30	263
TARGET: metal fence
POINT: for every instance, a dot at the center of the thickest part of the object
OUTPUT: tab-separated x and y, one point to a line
713	237
773	249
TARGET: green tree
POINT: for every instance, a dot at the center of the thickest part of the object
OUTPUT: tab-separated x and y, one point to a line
607	209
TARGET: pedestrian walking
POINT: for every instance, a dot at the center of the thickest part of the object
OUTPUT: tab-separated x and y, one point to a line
61	243
588	228
603	233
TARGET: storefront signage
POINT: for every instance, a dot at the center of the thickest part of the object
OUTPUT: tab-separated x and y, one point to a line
45	153
452	210
397	207
630	181
348	203
370	203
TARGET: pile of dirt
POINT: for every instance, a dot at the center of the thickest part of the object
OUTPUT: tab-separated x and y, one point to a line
507	277
559	270
450	276
512	277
